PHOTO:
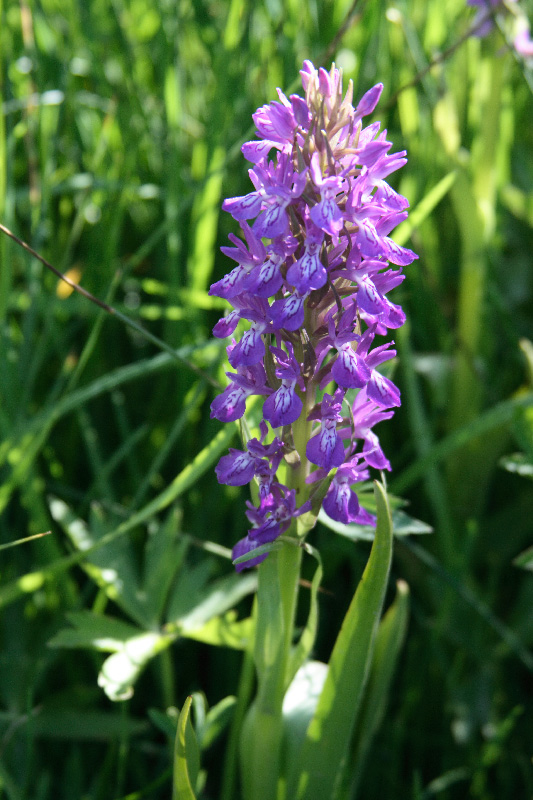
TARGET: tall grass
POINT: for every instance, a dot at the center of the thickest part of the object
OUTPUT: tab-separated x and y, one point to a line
119	138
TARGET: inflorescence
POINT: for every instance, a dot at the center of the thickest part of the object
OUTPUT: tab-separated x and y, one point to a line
312	279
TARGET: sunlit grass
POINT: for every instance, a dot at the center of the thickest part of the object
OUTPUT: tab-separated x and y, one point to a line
119	138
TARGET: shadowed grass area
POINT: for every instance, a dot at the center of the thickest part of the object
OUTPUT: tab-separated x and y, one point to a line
120	136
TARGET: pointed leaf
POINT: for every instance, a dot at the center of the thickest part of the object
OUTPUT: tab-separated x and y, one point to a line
216	720
186	757
319	769
389	641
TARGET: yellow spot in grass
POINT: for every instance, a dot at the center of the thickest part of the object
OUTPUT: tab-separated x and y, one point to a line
63	289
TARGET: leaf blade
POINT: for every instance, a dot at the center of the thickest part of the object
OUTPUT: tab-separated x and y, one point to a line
324	752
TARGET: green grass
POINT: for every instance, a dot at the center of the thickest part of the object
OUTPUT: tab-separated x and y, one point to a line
119	139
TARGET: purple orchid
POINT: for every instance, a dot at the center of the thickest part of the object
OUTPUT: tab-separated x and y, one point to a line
312	279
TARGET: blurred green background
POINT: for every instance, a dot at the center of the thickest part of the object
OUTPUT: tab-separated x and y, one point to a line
119	138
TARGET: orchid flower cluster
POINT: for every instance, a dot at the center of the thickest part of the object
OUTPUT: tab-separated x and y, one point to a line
484	22
311	277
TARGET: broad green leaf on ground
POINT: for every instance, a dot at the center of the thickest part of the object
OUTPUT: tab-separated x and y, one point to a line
95	631
518	463
120	671
224	631
197	607
186	757
403	525
318	770
164	554
111	567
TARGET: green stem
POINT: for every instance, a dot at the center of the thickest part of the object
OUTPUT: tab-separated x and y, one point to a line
277	600
263	728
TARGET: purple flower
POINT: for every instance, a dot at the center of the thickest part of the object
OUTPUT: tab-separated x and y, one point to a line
523	44
284	407
312	278
308	272
326	448
231	404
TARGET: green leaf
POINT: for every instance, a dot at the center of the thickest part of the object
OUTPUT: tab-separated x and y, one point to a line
224	631
159	569
216	721
112	567
259	551
402	523
389	641
299	706
94	631
525	559
166	721
424	208
120	671
518	463
32	581
78	724
186	757
217	598
318	772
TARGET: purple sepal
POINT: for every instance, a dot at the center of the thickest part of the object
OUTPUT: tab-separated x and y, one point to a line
245	207
250	350
350	370
226	325
284	406
373	454
369	101
300	111
274	221
256	151
266	280
326	449
230	405
288	313
398	255
235	469
382	391
341	503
